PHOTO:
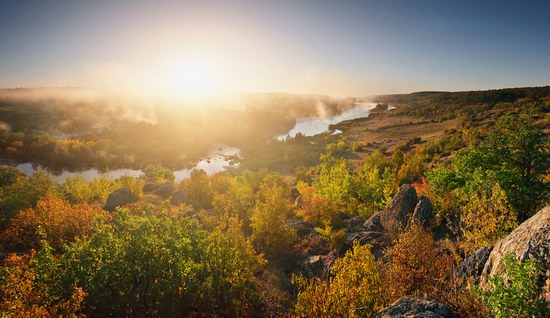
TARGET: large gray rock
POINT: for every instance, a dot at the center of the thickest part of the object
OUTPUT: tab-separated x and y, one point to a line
353	223
117	198
381	228
530	240
165	190
396	216
303	228
409	307
472	267
318	265
180	197
378	241
423	213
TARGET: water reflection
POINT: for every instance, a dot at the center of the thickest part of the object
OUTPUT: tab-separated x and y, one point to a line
219	159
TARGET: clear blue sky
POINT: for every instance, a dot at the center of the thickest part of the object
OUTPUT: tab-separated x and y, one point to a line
335	47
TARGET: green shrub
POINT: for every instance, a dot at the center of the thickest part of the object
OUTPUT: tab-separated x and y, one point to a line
514	293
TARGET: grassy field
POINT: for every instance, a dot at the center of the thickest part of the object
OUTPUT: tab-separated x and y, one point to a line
388	131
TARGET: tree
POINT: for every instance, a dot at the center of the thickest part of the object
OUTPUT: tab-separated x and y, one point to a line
231	263
270	232
375	187
413	166
355	288
517	151
314	207
158	173
199	190
521	149
27	290
485	216
335	183
159	265
53	219
22	194
416	265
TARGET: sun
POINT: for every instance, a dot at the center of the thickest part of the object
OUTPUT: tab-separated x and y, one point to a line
194	79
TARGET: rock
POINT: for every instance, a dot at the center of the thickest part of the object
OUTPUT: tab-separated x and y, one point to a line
409	307
378	241
382	227
373	223
180	197
530	240
396	216
319	265
472	267
302	227
165	190
119	197
294	194
423	212
353	223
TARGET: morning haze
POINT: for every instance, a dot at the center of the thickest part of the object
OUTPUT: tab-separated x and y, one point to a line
274	159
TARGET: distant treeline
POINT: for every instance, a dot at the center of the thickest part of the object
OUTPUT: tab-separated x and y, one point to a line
446	105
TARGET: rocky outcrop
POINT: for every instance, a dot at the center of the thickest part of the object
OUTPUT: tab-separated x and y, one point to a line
396	216
423	212
353	223
180	197
472	267
318	265
408	307
381	228
378	241
117	198
302	227
530	240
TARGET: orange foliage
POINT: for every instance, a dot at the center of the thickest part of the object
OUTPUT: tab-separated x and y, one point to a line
417	265
422	188
314	207
54	218
23	295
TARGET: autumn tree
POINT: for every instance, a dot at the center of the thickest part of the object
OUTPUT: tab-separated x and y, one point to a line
22	194
271	233
199	190
416	265
53	219
162	265
354	289
27	289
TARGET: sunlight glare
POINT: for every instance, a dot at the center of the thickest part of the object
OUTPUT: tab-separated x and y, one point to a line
195	79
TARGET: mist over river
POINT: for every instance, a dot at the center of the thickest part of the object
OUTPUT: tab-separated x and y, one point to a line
220	157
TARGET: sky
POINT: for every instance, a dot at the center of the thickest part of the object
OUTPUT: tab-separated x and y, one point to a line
328	47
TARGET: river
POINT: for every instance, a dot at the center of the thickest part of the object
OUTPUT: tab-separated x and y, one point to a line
311	126
220	157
